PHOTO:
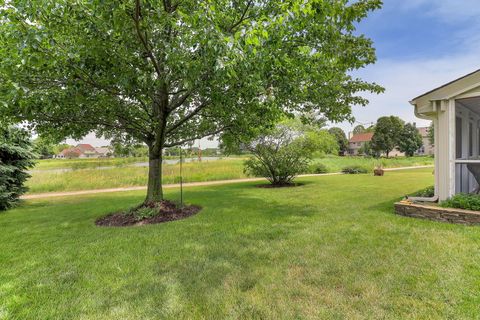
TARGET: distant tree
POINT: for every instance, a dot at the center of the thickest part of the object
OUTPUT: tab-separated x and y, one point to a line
129	149
140	151
60	147
43	148
370	129
323	141
174	151
410	140
386	135
359	129
431	134
341	139
366	150
16	157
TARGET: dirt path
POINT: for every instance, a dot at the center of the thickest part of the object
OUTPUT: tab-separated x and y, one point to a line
176	185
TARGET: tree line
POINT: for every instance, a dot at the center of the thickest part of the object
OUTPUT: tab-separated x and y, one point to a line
389	133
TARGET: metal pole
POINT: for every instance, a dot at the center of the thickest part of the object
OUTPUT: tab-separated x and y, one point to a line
181	178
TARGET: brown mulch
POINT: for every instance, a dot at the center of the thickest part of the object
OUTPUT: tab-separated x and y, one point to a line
167	211
283	185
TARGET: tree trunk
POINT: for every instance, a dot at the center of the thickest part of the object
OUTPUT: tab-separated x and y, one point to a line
154	187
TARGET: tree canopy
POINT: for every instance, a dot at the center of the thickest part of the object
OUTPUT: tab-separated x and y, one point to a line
387	134
341	138
410	140
167	72
359	129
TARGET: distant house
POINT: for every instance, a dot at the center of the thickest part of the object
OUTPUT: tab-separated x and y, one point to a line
85	150
427	148
104	152
69	153
357	141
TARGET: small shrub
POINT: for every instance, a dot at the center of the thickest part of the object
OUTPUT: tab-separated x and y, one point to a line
354	170
280	154
318	168
463	201
428	192
144	213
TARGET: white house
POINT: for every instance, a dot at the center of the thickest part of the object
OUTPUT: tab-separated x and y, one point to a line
454	109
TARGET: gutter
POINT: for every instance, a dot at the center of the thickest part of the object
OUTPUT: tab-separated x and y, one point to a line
421	116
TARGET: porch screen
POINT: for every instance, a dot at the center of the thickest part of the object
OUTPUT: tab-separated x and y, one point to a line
458	137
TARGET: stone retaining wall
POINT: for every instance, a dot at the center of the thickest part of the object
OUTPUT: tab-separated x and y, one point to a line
437	213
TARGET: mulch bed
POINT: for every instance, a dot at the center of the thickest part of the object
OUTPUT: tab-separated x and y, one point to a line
283	185
168	211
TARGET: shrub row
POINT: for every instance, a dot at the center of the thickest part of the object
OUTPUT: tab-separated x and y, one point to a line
463	201
354	170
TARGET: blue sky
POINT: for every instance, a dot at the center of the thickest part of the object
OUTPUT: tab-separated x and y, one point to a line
421	44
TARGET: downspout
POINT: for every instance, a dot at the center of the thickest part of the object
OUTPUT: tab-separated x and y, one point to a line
423	199
421	116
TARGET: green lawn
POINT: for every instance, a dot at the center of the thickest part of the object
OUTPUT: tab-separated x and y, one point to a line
330	249
86	177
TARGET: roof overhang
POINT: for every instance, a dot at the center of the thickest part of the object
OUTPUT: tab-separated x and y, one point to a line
428	104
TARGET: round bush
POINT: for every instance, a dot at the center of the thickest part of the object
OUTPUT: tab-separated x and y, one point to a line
318	168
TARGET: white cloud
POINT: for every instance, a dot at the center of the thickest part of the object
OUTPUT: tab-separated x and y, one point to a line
405	80
447	10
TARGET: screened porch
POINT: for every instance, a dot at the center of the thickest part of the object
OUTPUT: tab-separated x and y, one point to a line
467	145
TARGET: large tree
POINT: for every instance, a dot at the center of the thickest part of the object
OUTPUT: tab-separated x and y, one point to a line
386	135
167	72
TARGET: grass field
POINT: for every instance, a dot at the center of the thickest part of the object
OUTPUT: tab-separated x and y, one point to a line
44	180
86	179
336	164
50	164
331	249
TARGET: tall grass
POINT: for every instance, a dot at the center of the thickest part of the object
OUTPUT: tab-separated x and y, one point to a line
50	164
230	168
86	179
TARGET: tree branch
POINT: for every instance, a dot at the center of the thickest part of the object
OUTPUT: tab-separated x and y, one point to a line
180	100
143	39
200	136
242	17
187	117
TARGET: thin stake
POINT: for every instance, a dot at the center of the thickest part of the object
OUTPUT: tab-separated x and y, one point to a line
181	178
